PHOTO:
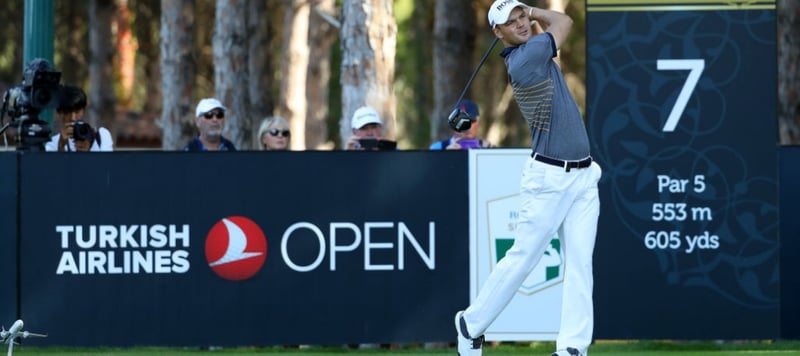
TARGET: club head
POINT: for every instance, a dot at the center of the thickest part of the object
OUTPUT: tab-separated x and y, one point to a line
459	120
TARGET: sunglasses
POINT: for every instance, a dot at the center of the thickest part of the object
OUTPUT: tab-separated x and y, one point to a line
211	114
276	132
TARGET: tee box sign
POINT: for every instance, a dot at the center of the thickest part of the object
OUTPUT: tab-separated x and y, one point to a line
681	111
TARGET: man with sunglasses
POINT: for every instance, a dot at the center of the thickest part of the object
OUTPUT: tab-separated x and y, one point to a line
210	120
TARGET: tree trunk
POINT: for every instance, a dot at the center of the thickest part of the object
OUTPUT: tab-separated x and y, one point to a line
319	74
416	65
126	53
295	70
789	71
259	24
178	69
102	101
145	27
453	47
231	79
204	13
70	20
368	39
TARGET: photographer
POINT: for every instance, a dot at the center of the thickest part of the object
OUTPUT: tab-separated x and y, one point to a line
367	128
71	107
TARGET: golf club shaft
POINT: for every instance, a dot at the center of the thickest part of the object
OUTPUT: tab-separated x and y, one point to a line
475	72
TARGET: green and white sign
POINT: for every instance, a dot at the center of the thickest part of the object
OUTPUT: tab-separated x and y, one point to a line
494	181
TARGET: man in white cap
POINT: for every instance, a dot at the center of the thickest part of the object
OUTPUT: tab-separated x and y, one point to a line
209	117
366	124
559	183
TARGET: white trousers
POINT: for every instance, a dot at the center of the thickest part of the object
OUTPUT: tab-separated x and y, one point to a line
553	201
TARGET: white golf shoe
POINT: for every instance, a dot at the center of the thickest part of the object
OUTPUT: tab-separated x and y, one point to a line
467	346
568	352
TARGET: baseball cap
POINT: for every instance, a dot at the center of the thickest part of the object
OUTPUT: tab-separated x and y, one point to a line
363	116
470	108
501	10
207	105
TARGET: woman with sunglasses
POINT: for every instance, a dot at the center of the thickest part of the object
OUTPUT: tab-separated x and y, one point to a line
274	134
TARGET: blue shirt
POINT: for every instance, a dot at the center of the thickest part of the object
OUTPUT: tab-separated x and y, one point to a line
196	145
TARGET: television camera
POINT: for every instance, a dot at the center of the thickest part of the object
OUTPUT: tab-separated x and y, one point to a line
39	91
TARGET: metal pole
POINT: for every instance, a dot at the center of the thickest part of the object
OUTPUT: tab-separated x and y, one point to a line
38	37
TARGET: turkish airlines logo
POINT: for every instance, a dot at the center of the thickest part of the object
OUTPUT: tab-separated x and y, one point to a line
236	248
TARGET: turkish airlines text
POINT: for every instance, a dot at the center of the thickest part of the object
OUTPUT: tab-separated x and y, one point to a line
124	249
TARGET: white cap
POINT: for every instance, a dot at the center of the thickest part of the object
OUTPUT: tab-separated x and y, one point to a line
207	105
363	116
501	10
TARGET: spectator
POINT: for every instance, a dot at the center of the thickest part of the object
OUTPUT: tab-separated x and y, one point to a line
274	134
208	117
467	139
72	104
367	129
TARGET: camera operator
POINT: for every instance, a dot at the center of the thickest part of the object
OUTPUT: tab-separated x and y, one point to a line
76	133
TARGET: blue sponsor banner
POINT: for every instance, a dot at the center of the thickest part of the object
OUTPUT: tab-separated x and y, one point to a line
245	248
790	241
8	234
681	102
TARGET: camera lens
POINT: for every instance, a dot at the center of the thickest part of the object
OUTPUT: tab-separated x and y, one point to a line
82	131
42	98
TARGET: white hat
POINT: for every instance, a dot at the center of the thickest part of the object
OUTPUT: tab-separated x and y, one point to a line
363	116
207	105
501	10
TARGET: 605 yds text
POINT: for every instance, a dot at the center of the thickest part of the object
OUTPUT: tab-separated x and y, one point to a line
671	240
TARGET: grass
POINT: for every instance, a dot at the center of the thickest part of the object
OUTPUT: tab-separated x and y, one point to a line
600	348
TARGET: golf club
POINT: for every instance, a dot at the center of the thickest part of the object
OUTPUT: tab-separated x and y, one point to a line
459	120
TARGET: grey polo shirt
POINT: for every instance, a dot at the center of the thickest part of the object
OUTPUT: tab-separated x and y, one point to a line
557	128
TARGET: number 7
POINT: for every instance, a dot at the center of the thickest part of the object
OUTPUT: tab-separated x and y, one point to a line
696	67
